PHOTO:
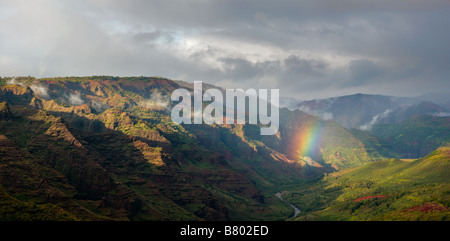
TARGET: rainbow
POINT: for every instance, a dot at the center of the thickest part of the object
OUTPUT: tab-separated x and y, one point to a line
308	138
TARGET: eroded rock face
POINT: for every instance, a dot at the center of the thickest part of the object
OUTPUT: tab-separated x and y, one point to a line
58	169
118	159
5	112
16	94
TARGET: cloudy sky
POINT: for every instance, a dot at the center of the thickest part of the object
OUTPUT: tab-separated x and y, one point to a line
307	49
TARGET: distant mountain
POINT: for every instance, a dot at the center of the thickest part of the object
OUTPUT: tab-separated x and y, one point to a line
289	103
438	98
404	112
363	111
350	111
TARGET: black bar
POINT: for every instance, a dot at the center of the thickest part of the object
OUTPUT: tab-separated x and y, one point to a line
168	230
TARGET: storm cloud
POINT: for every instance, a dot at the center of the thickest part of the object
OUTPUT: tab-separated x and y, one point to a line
307	49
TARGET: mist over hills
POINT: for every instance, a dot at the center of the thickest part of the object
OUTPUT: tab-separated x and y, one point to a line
105	148
362	111
86	127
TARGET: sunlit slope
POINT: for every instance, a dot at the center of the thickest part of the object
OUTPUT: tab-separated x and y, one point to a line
414	137
309	139
386	190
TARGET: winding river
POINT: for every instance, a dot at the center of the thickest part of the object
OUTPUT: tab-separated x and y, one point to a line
296	210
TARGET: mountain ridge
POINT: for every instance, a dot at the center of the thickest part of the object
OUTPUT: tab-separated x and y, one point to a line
111	140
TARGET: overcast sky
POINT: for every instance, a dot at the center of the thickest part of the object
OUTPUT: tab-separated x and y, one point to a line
307	49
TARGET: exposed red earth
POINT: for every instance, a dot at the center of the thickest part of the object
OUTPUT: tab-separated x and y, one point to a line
427	207
369	197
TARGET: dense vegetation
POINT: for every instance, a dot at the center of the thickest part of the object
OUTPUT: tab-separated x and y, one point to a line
105	148
386	190
414	137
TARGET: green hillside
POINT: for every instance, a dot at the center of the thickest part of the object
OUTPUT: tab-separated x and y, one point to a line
105	148
414	137
386	190
315	142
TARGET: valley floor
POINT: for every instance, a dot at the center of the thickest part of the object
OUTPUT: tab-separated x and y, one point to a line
385	190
